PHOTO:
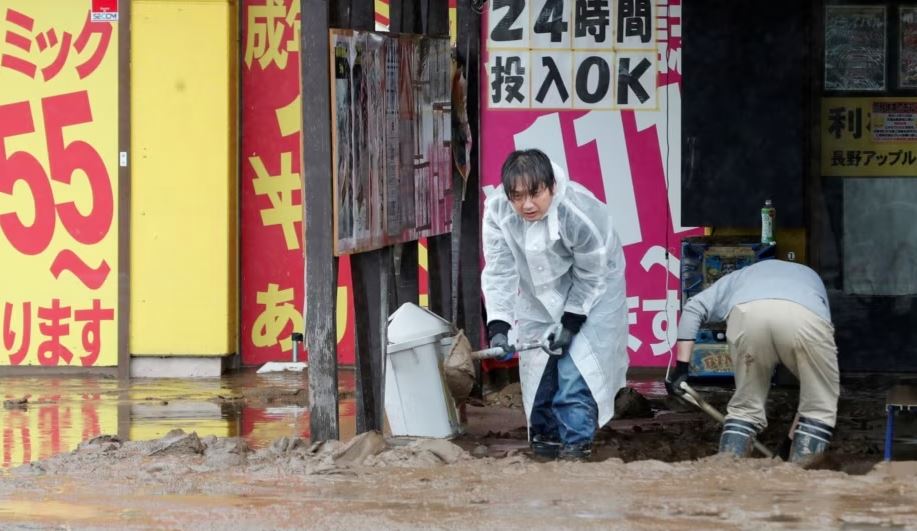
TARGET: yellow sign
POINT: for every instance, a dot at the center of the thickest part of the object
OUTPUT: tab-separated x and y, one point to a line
58	184
869	137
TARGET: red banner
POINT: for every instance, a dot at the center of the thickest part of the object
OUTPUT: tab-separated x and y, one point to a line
271	199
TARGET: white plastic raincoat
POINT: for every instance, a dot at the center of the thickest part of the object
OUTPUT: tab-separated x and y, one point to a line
570	260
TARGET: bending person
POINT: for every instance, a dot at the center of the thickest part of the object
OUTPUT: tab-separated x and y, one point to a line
775	312
554	268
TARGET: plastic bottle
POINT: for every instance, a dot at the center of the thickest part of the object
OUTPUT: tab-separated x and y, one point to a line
768	221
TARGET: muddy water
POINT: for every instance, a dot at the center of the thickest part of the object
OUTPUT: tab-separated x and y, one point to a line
248	465
181	481
41	417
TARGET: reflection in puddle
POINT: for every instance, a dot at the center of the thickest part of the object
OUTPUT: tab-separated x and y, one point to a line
58	413
49	509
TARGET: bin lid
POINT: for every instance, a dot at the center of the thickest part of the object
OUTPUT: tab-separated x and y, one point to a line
411	322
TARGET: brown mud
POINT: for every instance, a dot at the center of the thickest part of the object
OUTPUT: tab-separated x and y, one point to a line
654	468
182	481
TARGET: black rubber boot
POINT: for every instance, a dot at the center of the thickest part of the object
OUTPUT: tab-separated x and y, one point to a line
545	447
737	438
576	452
810	441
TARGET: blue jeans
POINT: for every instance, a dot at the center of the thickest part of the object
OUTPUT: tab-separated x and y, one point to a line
564	409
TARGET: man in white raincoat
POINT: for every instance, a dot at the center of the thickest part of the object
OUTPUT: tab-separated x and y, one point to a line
554	268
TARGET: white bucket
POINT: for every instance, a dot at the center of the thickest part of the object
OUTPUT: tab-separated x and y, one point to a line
417	401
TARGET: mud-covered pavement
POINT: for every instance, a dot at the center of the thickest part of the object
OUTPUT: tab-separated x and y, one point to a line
653	471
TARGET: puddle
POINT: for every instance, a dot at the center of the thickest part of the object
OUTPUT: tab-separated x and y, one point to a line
60	412
46	509
652	472
57	413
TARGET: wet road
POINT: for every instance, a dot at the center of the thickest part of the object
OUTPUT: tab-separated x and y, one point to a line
262	489
60	412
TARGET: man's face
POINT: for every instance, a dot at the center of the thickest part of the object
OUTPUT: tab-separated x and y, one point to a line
531	207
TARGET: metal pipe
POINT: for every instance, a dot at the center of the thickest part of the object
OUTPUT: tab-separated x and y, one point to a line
496	352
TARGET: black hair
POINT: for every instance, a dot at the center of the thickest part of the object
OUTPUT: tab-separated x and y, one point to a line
530	168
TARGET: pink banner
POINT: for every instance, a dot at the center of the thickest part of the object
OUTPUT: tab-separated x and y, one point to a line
603	102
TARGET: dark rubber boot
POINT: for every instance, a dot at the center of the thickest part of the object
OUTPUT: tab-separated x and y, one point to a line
545	448
810	441
737	438
576	452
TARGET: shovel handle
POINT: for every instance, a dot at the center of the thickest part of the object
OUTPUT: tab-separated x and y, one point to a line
695	398
498	352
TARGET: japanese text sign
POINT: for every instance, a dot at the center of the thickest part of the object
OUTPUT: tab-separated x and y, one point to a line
627	151
271	195
572	54
58	183
869	137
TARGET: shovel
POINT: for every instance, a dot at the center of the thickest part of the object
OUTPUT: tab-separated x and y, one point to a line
693	397
458	367
499	352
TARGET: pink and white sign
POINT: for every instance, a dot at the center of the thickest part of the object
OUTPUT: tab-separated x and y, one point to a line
595	84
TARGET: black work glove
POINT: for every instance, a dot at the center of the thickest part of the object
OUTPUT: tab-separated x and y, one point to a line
497	332
676	376
570	325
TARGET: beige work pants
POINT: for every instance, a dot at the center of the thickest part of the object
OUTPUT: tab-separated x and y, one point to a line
766	332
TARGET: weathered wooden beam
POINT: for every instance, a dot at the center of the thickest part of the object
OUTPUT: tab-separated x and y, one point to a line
321	265
410	22
339	14
423	8
408	284
439	269
438	17
394	16
370	299
362	15
468	48
435	17
373	278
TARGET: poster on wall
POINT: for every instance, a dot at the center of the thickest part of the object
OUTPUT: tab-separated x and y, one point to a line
869	137
271	191
391	149
855	52
272	258
596	86
907	47
573	53
58	184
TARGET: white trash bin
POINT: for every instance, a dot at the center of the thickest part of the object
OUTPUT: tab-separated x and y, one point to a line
417	401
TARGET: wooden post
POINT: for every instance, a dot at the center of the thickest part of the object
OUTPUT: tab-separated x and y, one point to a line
468	47
321	265
407	286
371	273
437	14
406	277
435	21
408	22
439	268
